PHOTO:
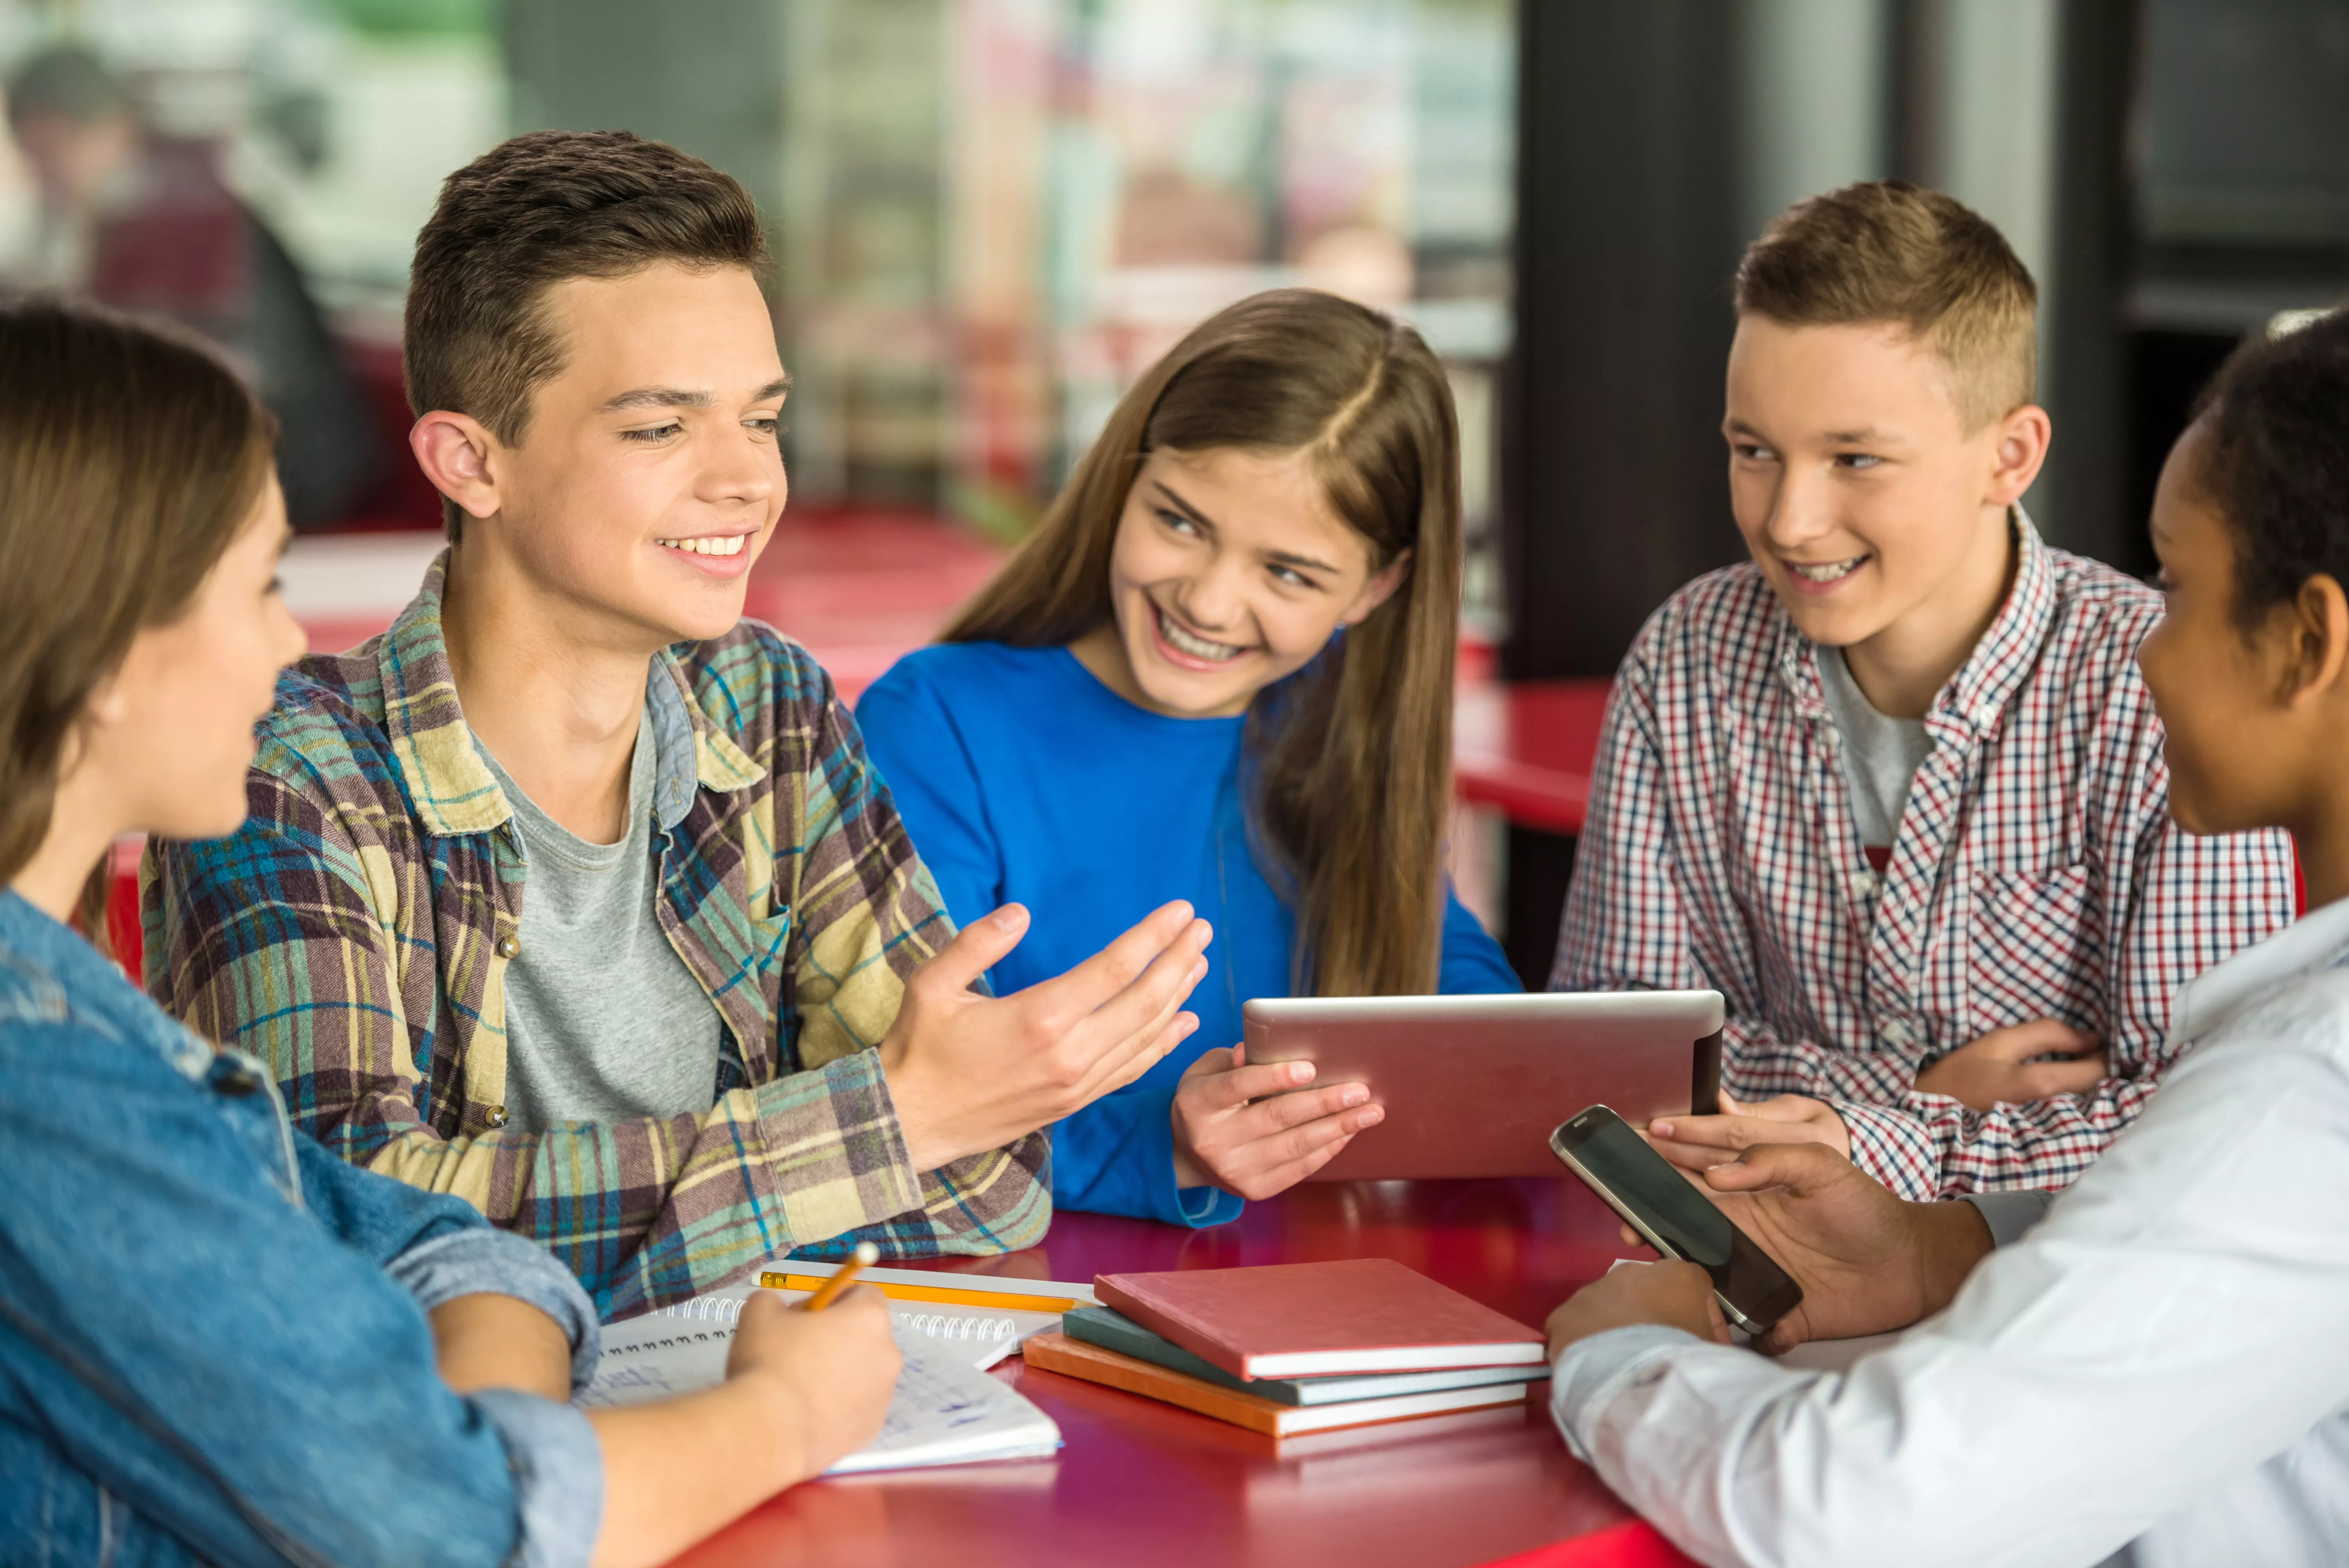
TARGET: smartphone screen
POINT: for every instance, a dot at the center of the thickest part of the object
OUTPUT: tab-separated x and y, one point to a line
1648	1190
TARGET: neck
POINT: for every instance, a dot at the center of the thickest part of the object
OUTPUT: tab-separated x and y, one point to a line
1902	668
2320	837
82	829
559	711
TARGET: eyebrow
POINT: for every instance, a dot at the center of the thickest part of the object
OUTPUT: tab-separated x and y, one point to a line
1286	558
682	398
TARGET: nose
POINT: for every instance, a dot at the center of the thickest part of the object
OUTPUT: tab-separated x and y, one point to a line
1215	600
741	472
1801	510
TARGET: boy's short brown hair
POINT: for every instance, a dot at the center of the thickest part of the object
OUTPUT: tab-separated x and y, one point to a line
1886	251
533	211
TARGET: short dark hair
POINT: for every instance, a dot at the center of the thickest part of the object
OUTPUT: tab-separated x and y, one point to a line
2275	460
65	79
1887	251
535	211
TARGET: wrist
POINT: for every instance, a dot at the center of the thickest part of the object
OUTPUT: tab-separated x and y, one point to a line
910	1102
1952	1238
784	1423
1188	1170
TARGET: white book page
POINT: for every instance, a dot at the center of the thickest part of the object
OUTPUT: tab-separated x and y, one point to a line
943	1411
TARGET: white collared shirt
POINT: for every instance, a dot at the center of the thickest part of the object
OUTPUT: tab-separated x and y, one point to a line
2156	1374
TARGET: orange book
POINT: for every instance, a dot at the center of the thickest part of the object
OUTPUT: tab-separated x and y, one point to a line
1075	1358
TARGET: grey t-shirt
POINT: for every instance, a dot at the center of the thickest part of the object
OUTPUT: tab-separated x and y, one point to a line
1880	754
603	1021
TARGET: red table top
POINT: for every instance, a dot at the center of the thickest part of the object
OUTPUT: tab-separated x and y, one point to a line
1140	1483
1529	747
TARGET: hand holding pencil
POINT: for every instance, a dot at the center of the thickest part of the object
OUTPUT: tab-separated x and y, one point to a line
827	1373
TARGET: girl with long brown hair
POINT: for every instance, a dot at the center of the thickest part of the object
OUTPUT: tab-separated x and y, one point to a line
1219	670
218	1342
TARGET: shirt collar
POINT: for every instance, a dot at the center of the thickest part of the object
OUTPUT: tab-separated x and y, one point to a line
2318	940
452	789
1976	696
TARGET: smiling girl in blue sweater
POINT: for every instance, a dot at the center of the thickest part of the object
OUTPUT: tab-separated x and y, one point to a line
1220	670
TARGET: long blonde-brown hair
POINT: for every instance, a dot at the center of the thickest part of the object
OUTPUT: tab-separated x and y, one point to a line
1349	760
129	458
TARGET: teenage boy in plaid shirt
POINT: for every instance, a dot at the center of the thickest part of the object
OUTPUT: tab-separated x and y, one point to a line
574	893
1896	788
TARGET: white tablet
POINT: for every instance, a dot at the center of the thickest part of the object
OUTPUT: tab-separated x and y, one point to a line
1473	1086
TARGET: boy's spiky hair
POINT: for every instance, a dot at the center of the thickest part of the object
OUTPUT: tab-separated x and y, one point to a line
1887	251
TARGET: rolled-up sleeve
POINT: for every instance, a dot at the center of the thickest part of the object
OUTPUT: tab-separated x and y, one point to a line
558	1475
480	1261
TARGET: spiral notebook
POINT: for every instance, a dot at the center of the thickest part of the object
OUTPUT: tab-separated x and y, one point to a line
945	1410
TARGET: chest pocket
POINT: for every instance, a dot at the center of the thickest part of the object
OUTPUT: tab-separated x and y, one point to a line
2034	950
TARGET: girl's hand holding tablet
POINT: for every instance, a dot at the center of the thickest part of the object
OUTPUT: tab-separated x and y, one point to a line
1257	1130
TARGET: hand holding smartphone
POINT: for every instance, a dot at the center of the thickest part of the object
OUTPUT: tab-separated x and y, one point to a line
1672	1216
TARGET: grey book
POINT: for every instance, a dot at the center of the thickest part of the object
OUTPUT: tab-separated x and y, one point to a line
1115	1331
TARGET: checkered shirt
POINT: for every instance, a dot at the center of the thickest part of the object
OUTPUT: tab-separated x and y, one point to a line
355	935
2036	871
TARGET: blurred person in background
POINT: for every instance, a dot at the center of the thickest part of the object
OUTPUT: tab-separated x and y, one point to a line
144	222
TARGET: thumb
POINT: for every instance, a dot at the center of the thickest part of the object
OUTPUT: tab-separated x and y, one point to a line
1729	1105
1213	1061
1795	1165
977	948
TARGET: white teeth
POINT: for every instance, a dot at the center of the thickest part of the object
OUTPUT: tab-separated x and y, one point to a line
730	544
1825	571
1198	648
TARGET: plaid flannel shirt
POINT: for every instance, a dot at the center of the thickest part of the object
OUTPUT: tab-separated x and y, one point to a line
355	935
2036	871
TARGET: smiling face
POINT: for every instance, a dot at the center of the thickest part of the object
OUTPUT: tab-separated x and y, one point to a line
1230	571
171	732
648	478
1868	507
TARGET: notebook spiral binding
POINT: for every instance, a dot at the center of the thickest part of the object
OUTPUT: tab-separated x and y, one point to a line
936	1325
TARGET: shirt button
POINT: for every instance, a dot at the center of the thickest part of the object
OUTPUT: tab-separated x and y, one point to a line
495	1116
508	947
1898	1033
1863	886
236	1081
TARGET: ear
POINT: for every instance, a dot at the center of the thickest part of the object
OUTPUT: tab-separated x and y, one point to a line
2315	628
1377	591
2020	450
458	454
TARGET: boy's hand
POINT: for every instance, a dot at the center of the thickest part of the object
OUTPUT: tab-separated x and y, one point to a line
1674	1295
970	1072
1997	1069
1699	1142
1257	1130
1869	1262
824	1376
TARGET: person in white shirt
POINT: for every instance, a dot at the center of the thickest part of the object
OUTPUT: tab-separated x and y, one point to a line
2156	1372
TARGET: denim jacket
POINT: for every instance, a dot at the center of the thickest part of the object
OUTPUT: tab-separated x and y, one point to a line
213	1336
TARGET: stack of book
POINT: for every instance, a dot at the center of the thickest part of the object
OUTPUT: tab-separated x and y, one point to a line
1296	1347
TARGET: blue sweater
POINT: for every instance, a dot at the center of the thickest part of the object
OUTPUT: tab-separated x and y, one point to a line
1022	779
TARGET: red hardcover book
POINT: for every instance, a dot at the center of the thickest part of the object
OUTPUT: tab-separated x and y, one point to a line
1304	1320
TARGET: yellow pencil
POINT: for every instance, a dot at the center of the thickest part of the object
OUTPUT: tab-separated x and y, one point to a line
864	1257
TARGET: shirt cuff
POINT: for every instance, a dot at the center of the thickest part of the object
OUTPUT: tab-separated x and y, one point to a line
557	1465
481	1261
2009	1214
1894	1147
1590	1372
1153	1152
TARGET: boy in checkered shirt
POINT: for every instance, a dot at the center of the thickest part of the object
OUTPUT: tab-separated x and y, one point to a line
1895	787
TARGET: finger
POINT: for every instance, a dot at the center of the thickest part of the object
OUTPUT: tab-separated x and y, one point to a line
1281	1177
1297	1148
1730	1132
1802	1168
1211	1062
1168	983
1112	1073
1115	968
1712	1316
1692	1157
1282	1112
977	948
1632	1238
1241	1085
1128	1059
2044	1081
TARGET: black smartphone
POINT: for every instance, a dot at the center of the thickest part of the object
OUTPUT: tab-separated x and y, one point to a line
1660	1203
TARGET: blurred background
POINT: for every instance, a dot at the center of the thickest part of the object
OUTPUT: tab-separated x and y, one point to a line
991	215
